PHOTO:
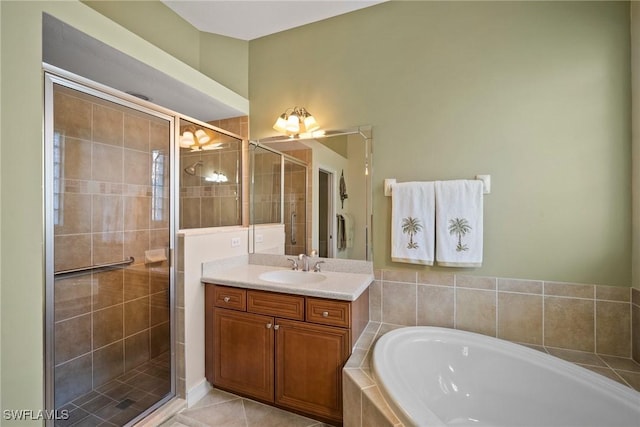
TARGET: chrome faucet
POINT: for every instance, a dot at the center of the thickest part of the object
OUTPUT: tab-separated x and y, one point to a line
304	261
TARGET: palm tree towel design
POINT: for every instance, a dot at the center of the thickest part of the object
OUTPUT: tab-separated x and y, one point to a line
411	226
413	222
459	228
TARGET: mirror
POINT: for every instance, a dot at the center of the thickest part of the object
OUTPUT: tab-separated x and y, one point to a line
312	194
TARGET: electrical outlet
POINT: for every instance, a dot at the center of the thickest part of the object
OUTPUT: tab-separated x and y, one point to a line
235	242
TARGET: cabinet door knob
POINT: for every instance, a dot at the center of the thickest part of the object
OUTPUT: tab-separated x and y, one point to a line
226	299
325	314
276	327
269	325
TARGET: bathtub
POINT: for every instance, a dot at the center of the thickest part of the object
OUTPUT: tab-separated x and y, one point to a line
445	377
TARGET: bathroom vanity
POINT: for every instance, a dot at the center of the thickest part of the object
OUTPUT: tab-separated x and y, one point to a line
284	343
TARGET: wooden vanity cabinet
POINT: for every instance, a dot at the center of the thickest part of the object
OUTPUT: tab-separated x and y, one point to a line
287	350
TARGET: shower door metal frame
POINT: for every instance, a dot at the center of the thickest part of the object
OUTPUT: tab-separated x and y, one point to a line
54	75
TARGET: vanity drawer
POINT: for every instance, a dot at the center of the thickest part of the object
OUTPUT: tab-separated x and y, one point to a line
329	312
277	305
227	297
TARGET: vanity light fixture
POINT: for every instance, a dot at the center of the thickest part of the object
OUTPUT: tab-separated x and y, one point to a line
198	140
297	122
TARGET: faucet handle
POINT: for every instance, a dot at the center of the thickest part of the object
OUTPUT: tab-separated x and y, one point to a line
316	267
294	263
313	253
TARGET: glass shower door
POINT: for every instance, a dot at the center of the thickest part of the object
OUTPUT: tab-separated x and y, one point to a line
108	231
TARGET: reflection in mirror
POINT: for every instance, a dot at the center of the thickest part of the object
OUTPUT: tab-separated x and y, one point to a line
210	176
313	194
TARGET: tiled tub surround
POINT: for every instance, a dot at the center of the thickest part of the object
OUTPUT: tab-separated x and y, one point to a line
108	323
364	405
582	317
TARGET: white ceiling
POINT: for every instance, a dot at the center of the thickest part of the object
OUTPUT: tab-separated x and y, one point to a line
251	19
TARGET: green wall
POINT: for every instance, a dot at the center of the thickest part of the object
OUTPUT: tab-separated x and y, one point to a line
536	94
635	83
221	58
21	178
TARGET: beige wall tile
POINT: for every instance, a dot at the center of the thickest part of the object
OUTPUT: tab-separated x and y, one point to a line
72	296
108	125
107	213
613	328
635	296
613	293
136	316
520	318
107	326
106	163
73	338
136	132
429	277
137	167
73	379
72	251
108	247
405	276
160	339
375	412
108	363
136	350
137	212
351	400
77	158
476	311
72	116
569	323
73	218
136	243
107	288
435	306
375	301
573	290
476	282
399	303
137	280
520	286
158	308
159	136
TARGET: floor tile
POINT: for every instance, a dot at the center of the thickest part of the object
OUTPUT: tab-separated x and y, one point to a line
259	415
227	414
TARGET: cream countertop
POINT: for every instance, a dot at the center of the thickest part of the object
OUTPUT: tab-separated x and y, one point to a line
336	285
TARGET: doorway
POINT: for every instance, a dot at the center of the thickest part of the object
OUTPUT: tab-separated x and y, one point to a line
109	287
325	213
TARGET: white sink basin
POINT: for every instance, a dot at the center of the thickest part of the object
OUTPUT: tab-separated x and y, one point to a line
292	277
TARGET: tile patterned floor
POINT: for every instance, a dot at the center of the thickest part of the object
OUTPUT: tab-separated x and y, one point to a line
222	409
119	401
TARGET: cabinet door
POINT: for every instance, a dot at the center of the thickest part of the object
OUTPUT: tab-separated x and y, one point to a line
243	353
309	361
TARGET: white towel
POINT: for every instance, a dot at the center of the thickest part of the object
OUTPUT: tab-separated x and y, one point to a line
459	223
412	222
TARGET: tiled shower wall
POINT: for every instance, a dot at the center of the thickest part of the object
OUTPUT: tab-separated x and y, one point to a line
204	204
581	317
295	197
109	322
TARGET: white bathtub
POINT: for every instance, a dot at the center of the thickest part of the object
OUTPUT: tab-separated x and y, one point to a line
445	377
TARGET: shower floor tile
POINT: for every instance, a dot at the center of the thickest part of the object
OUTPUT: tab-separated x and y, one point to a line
122	399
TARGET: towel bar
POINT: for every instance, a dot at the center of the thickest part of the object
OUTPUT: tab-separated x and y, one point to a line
486	184
95	267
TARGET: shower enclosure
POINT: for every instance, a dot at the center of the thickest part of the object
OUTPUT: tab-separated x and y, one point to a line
279	195
109	286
